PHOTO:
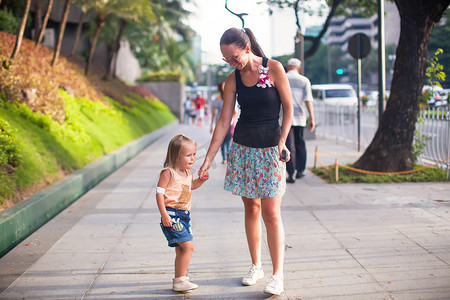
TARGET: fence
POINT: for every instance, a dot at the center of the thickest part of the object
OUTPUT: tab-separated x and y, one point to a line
340	123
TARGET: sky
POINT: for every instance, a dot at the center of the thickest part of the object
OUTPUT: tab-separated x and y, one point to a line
275	34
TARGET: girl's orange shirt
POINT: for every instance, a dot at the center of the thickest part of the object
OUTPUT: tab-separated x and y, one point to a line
178	192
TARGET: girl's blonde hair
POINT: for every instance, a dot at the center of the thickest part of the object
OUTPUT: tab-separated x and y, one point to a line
174	149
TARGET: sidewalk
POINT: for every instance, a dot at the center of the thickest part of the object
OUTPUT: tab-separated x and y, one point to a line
346	241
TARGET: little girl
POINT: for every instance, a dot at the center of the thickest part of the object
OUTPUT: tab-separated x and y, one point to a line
173	196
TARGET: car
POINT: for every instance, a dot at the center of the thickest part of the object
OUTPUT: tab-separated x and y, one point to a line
438	96
334	94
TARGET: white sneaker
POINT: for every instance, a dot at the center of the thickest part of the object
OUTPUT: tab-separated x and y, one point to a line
182	284
253	275
274	286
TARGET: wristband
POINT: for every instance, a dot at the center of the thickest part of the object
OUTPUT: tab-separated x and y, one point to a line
160	190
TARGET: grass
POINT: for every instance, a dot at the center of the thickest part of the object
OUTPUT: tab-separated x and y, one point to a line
61	130
346	176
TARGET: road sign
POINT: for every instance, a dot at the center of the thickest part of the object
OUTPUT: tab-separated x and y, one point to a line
359	45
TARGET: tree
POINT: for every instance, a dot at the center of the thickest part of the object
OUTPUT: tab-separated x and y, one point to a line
62	27
78	31
336	8
21	30
390	149
37	16
439	39
126	9
40	36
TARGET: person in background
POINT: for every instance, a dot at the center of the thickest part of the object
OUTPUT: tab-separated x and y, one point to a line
302	100
256	166
187	110
173	196
217	105
200	106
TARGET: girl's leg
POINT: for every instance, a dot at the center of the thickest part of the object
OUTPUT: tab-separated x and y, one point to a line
253	228
183	258
271	213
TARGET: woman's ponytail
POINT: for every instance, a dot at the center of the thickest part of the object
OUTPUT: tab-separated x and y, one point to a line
241	38
256	48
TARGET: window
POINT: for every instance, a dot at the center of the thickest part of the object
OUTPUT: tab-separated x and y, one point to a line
341	93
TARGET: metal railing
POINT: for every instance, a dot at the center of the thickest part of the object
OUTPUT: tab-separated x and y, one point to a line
340	123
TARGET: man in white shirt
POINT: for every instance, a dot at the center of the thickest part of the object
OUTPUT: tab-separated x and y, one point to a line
301	99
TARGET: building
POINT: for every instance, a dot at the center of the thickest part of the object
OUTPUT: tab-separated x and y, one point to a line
341	29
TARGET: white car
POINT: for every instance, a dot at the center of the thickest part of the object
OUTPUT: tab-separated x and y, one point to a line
334	94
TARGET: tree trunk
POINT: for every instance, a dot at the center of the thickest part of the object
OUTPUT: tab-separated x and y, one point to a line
78	33
113	59
37	18
100	20
62	27
21	30
390	149
44	23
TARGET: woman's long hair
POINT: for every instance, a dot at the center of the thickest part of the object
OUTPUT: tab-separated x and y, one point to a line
241	38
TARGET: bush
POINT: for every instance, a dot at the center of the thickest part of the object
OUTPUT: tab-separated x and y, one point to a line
9	150
8	22
163	76
347	176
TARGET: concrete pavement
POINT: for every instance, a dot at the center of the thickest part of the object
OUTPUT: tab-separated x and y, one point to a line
345	241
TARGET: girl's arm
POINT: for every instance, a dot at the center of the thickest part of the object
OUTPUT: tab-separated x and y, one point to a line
223	124
281	82
196	183
163	182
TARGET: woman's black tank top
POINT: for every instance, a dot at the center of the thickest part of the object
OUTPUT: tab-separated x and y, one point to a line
258	125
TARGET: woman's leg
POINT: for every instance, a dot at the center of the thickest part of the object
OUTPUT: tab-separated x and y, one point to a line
183	258
253	228
271	213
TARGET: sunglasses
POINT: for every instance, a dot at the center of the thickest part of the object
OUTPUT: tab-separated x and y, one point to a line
233	59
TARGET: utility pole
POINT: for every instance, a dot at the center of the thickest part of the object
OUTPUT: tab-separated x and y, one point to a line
381	60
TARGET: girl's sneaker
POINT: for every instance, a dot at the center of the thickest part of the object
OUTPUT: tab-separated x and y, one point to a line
182	284
253	275
274	286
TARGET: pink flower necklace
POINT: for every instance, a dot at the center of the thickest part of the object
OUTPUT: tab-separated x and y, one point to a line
264	80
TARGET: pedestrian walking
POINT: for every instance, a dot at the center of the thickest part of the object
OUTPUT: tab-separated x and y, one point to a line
187	110
200	106
255	168
302	100
173	196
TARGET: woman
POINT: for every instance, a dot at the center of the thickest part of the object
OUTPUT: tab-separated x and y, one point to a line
255	170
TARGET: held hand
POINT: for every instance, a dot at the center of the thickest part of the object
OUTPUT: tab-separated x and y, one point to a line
166	220
204	170
285	155
205	176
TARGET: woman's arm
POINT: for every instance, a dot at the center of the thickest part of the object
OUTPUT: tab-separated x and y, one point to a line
223	124
213	118
279	78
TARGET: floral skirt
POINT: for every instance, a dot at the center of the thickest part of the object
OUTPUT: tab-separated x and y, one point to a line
255	172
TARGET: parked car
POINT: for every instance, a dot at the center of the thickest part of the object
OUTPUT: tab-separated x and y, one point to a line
438	96
335	94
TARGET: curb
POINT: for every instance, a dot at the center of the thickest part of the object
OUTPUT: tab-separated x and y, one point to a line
21	220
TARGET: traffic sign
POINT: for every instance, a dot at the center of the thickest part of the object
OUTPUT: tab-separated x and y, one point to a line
359	45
